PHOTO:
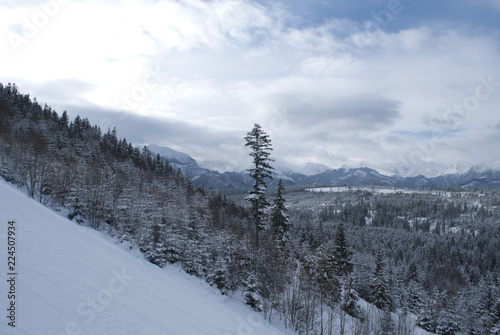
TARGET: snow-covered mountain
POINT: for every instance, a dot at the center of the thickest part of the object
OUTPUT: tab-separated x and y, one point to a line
220	166
311	169
458	168
171	154
72	280
220	175
283	167
432	170
493	165
427	169
178	160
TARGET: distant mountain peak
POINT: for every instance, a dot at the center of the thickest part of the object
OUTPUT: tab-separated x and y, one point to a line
179	160
493	165
457	168
310	169
427	169
171	154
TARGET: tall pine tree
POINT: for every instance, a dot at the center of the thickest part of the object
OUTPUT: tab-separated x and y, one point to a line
260	143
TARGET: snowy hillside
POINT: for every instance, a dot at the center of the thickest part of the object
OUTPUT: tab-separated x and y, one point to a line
72	280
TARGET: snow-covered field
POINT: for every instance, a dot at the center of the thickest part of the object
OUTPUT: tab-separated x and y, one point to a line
373	189
72	280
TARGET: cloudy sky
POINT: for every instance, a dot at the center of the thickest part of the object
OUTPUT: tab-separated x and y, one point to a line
342	83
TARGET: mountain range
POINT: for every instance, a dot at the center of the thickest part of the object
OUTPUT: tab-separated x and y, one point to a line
460	174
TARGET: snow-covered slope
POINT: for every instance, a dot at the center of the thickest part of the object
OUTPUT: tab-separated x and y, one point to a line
458	168
492	165
72	280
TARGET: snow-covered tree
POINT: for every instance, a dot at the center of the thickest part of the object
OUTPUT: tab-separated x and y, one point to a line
155	248
260	143
427	320
252	296
341	253
446	324
325	273
280	221
487	311
380	290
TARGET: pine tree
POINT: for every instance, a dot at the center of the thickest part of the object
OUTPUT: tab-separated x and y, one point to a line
413	273
252	296
487	308
428	316
318	237
427	319
495	317
341	253
495	314
279	218
219	276
446	324
260	144
325	268
64	121
414	290
380	291
155	249
414	293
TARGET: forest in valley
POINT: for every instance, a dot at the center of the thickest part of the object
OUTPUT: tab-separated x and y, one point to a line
354	261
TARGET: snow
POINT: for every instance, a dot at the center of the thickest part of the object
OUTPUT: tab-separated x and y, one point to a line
73	280
428	169
284	168
311	169
360	173
373	189
458	168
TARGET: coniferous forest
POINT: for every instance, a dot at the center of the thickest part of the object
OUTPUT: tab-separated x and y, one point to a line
355	261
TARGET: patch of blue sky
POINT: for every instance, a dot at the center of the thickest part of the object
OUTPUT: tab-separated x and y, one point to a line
396	15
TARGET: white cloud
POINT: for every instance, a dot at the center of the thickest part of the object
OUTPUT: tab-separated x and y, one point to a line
334	92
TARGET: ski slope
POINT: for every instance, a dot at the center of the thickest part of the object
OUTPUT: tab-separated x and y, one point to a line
72	280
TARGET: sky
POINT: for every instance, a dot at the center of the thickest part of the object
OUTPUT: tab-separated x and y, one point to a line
381	84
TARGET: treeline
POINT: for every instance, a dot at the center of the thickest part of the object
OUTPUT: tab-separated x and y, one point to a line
441	251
